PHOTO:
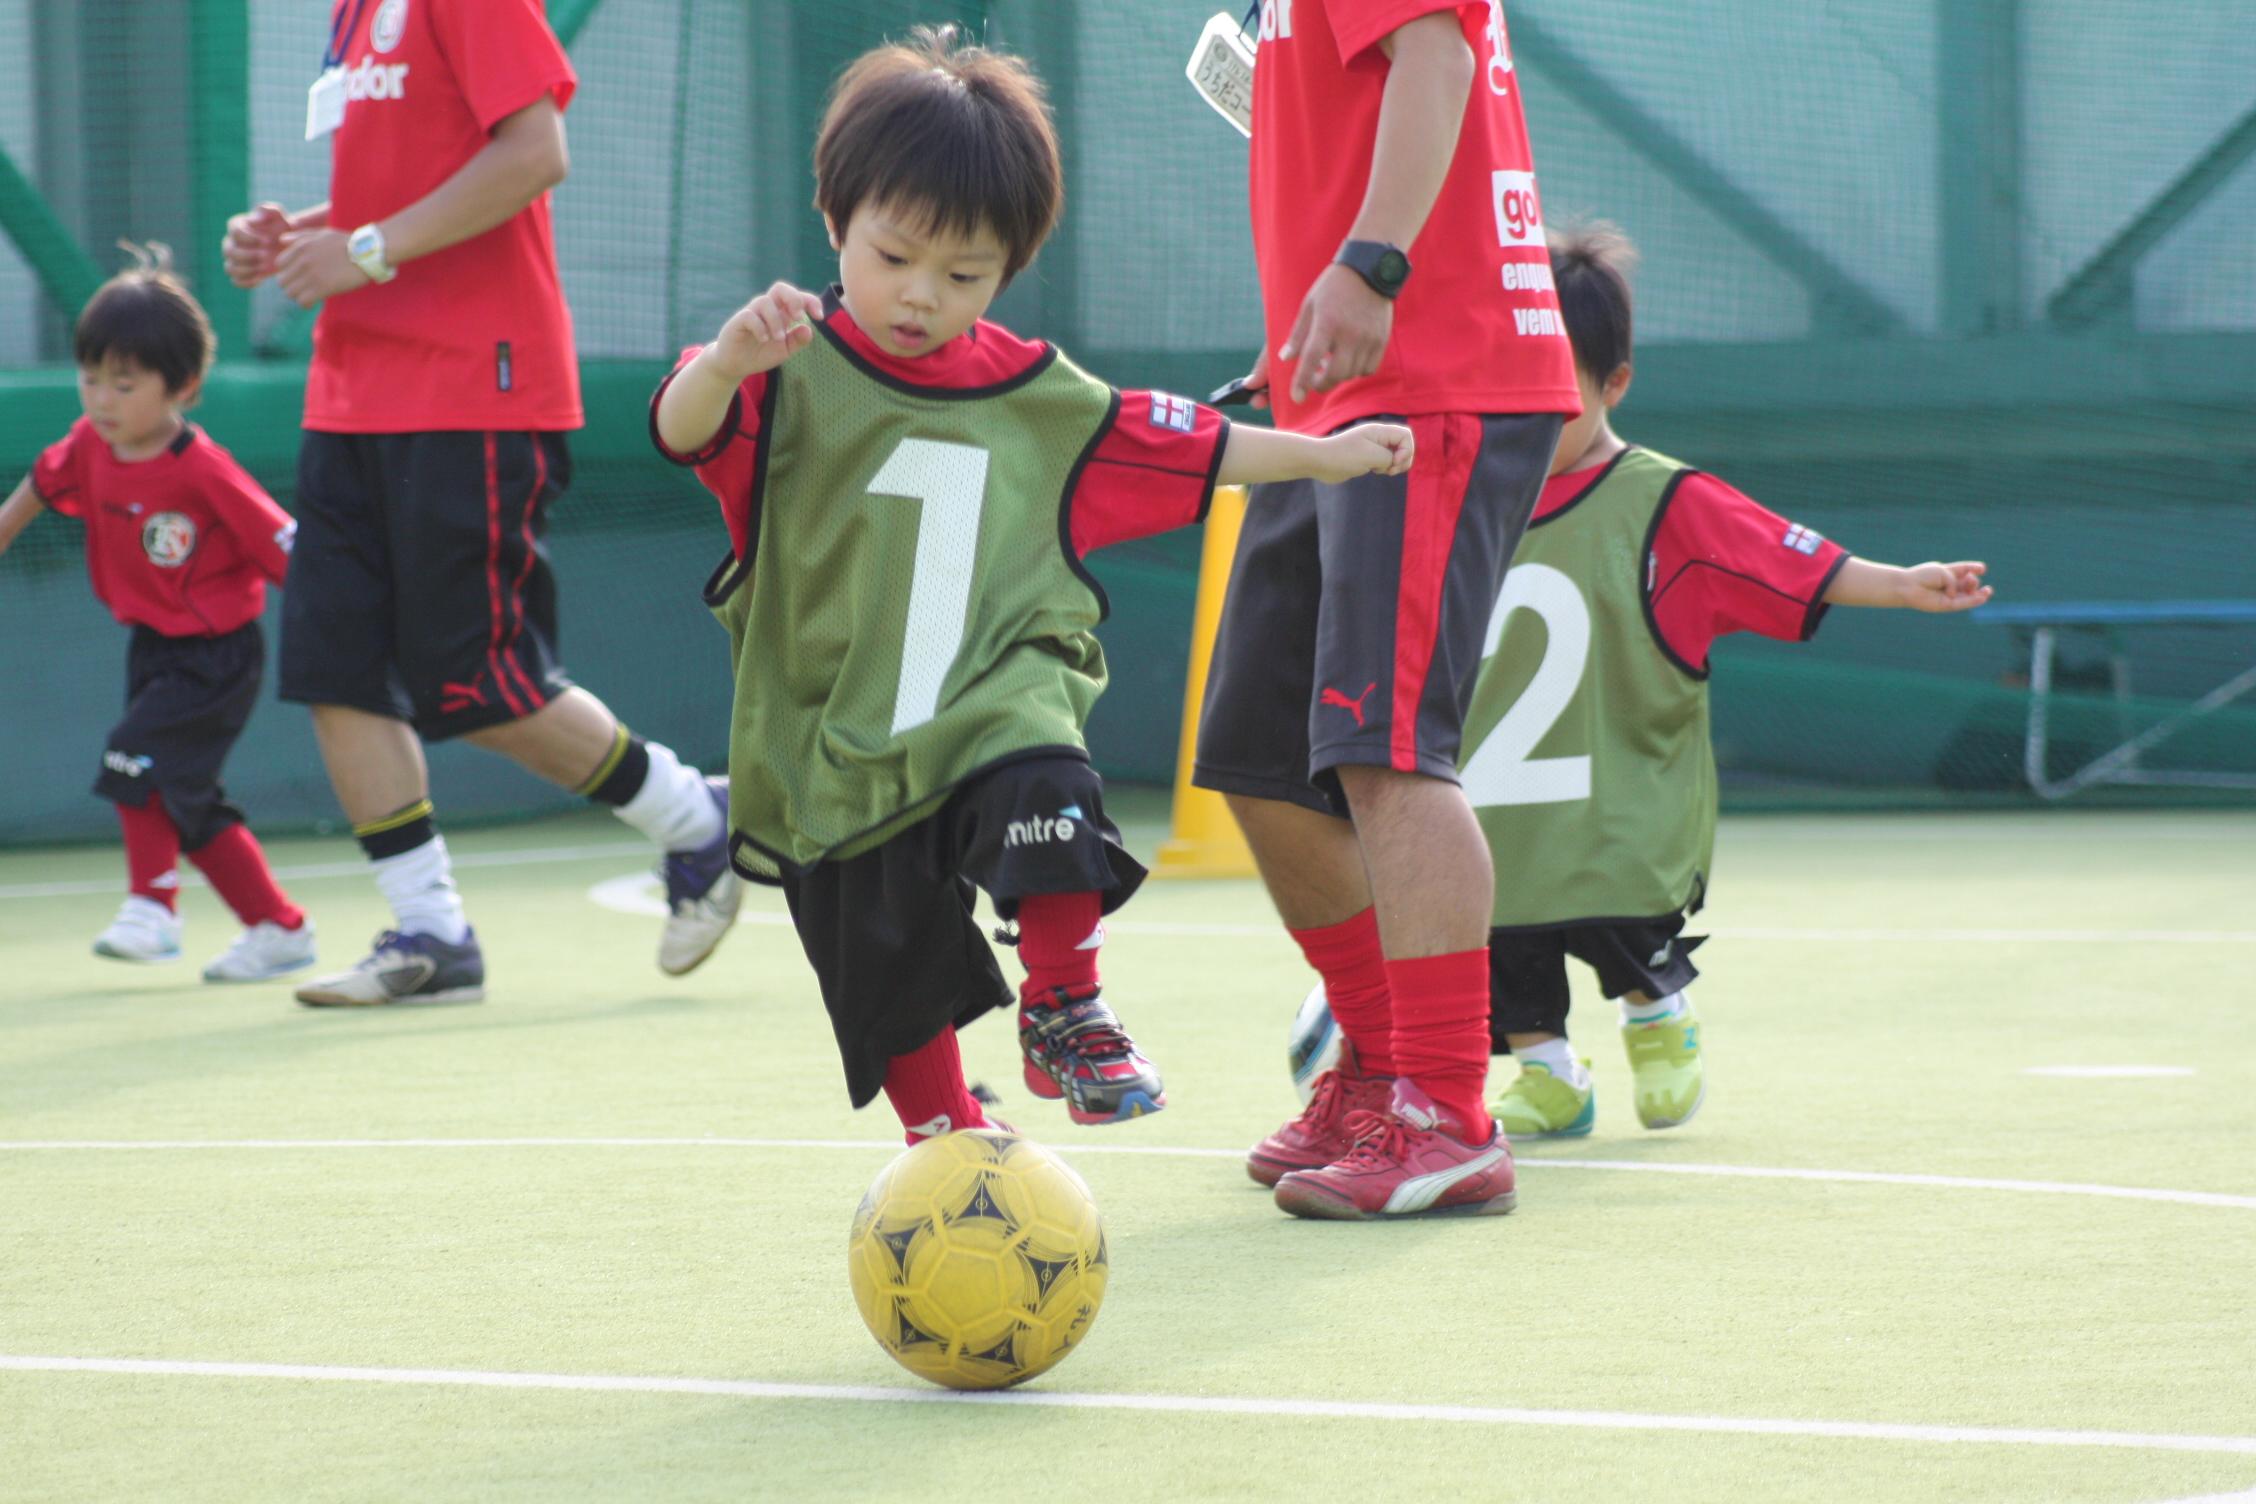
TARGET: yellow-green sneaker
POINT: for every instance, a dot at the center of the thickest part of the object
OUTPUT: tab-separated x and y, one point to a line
1539	1105
1665	1058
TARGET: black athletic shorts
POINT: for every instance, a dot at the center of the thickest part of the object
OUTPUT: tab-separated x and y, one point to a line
419	586
186	701
1353	627
1527	970
891	932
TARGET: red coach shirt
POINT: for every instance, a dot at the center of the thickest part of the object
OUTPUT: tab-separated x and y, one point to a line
476	336
183	543
1477	329
1152	471
1721	562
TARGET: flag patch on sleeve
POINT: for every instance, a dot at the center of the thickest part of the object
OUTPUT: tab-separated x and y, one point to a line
1803	540
1178	413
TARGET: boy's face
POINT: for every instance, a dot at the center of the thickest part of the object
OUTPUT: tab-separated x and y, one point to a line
910	287
127	403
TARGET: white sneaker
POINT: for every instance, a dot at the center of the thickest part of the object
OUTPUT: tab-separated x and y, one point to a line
263	952
702	895
144	930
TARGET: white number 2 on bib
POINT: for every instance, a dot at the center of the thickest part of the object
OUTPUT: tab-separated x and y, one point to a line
1501	771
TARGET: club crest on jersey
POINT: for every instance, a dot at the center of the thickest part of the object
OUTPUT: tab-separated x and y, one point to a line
385	31
168	539
1173	412
1802	540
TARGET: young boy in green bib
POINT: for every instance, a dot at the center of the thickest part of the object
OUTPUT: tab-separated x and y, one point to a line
910	491
1588	758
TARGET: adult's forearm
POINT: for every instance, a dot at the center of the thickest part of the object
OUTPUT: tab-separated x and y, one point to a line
523	160
1421	114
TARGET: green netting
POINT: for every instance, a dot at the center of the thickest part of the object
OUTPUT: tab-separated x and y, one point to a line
1935	276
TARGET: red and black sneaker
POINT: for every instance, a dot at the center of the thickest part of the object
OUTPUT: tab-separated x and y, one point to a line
1319	1135
1076	1050
1412	1161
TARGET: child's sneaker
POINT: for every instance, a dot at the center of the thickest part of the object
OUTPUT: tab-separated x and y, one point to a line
263	952
1410	1162
1320	1135
1665	1057
1539	1105
144	930
1076	1050
405	969
703	893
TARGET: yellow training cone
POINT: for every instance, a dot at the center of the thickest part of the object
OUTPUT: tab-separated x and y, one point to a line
1205	840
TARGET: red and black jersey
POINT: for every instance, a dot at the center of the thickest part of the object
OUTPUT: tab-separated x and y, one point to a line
1152	472
182	543
1720	562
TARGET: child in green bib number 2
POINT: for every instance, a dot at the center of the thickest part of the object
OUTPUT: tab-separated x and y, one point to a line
910	491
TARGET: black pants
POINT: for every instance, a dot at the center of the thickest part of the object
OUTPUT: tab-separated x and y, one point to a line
1527	970
186	701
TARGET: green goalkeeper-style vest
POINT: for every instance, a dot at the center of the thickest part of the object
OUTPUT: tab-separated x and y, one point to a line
1587	755
910	611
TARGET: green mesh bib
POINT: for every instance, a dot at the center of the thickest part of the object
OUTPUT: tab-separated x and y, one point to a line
1587	755
911	612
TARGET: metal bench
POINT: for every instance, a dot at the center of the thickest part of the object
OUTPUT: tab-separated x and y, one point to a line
2043	621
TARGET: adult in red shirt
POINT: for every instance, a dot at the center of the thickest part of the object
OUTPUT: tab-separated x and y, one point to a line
1399	237
421	604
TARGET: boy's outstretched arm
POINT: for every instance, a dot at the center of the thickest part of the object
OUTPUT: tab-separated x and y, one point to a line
1922	587
1252	456
15	515
758	337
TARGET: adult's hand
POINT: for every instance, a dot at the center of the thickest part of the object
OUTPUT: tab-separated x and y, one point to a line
1341	333
252	242
313	266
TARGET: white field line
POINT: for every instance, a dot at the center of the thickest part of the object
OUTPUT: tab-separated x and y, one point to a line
2245	1496
2106	1072
1175	1404
531	856
867	1146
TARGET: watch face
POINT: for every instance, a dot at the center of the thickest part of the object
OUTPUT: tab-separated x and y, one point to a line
1393	268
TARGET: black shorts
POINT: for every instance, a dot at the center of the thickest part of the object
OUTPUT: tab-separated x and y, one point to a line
1353	627
891	932
186	701
1527	970
419	585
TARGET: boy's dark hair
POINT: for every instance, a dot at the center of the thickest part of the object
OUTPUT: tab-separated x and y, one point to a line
147	315
1591	261
959	135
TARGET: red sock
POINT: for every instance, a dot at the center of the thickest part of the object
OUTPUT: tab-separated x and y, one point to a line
152	852
1441	1032
926	1088
237	869
1054	935
1347	956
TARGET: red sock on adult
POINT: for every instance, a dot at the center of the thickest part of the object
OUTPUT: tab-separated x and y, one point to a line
1058	938
1441	1032
238	872
926	1089
1354	968
152	852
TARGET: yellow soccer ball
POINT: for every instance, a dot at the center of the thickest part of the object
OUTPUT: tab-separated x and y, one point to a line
978	1259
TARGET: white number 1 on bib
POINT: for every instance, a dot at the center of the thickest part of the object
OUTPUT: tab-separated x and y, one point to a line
950	480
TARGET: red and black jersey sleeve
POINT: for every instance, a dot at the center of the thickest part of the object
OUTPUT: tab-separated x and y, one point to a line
58	478
262	530
504	56
729	464
1723	563
1152	471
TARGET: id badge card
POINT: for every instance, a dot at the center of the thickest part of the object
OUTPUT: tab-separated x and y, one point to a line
325	103
1221	69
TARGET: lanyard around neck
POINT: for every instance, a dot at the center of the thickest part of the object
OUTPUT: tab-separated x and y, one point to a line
341	33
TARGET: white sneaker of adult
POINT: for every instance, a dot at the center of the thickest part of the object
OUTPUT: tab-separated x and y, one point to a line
263	952
144	930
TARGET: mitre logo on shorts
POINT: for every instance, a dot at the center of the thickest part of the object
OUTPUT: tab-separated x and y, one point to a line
374	80
127	763
1042	829
1519	216
168	539
391	22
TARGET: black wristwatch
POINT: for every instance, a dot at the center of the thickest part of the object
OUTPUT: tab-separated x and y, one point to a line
1383	266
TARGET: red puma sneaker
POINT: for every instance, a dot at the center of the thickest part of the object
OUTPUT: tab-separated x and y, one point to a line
1408	1162
1319	1135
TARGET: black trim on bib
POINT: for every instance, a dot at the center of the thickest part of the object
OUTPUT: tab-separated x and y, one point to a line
1584	494
832	304
1065	506
1644	591
1213	472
